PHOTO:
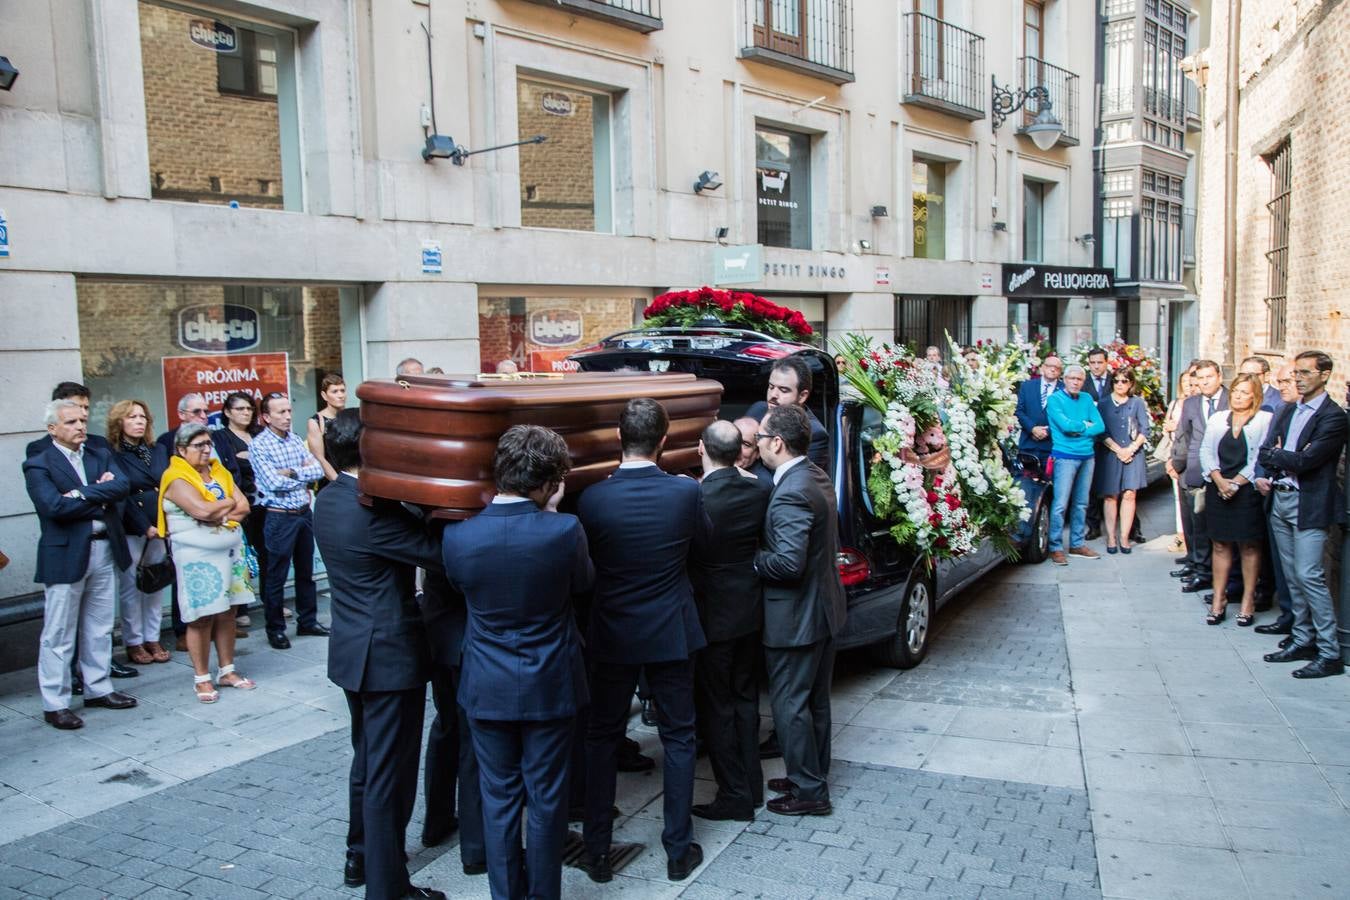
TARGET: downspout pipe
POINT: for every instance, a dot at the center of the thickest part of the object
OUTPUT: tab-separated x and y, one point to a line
1231	116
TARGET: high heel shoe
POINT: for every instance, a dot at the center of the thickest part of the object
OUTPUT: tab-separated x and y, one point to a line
1246	621
1112	549
1125	549
1216	618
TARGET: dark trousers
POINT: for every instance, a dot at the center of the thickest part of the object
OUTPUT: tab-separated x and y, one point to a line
382	788
450	760
799	689
524	764
253	531
728	715
1193	525
612	685
289	538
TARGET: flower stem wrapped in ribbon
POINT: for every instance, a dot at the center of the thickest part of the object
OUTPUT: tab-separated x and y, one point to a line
733	308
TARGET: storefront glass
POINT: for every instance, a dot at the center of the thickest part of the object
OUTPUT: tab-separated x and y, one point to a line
1035	319
565	181
783	186
929	184
539	333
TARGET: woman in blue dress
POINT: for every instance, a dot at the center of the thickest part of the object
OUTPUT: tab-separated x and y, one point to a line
1121	466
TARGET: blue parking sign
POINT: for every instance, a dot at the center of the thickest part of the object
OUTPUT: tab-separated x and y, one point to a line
4	235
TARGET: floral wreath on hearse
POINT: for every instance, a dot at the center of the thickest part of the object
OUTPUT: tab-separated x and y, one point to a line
688	309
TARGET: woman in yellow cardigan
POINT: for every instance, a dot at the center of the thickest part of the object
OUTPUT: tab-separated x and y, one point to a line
199	511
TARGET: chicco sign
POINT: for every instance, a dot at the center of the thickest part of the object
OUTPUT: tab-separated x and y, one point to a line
555	327
211	35
215	328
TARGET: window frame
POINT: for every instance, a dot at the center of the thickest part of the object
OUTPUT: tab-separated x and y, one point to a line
1039	191
1280	161
598	166
806	174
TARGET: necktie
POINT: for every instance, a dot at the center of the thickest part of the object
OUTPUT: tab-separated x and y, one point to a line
1045	394
1209	407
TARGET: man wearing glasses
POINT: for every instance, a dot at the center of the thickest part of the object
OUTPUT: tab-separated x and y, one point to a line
283	468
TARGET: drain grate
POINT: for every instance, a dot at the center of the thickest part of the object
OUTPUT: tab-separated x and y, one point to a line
620	852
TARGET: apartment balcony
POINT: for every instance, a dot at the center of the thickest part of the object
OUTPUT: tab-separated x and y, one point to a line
638	15
1062	85
944	67
808	36
1188	238
1193	120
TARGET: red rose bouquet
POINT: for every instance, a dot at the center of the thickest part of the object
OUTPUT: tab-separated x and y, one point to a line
734	308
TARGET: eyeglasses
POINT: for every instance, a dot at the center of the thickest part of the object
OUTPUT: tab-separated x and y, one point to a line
197	411
1307	373
1122	381
199	445
761	436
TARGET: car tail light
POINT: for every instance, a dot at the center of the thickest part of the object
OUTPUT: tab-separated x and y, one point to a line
765	351
853	566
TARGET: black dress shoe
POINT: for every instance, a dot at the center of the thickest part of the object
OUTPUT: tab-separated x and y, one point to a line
437	833
1322	668
722	812
788	805
649	713
1183	572
77	687
633	761
1093	534
425	893
597	868
768	748
782	785
111	700
279	642
117	670
63	719
475	868
1289	640
1190	586
1182	560
321	631
354	871
680	869
1279	626
1292	653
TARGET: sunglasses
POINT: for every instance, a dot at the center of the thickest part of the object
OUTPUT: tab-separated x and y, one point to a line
197	411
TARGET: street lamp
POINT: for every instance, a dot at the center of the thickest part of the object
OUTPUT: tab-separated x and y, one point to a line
1045	130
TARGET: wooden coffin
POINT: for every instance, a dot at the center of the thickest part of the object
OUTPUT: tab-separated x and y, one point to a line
429	439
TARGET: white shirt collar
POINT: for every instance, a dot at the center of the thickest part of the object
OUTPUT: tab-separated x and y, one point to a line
76	456
636	464
1314	404
779	472
505	500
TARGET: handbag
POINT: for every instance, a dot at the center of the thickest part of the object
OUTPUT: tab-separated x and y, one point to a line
154	571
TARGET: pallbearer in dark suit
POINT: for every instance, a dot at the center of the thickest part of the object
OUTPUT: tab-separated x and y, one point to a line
518	563
643	525
378	655
804	608
790	384
731	608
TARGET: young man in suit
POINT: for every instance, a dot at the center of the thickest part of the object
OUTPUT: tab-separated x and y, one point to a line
1032	396
77	493
1197	574
731	608
643	526
804	609
1300	455
1284	624
378	656
790	384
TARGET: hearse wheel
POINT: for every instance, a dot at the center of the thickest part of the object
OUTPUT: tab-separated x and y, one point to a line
910	644
1038	548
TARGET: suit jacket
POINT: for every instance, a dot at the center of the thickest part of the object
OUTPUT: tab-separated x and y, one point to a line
67	522
378	641
804	600
643	525
445	615
726	588
96	441
142	507
1030	414
518	567
1190	434
763	473
1271	401
819	451
1313	461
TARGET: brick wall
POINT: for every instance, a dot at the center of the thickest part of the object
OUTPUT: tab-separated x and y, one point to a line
600	317
195	132
557	178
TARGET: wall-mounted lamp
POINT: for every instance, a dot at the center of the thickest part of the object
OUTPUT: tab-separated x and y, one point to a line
707	181
722	232
1000	226
442	146
8	74
1045	130
1088	238
879	212
865	245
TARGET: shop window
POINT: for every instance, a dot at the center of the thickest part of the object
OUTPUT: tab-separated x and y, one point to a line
1033	220
565	182
1036	319
220	102
539	333
927	320
157	341
928	182
783	188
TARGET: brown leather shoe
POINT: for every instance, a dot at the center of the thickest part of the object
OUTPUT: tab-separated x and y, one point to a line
1058	558
63	719
788	805
1085	552
112	700
782	785
137	655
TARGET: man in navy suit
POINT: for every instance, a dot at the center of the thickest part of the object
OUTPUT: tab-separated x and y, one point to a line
77	493
519	564
1031	399
1300	456
378	655
790	384
642	526
1197	574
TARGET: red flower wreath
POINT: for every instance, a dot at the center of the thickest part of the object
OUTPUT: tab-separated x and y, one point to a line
688	308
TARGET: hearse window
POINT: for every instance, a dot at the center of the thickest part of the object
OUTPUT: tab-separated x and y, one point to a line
871	428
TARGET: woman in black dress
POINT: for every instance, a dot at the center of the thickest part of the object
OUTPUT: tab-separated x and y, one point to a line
1234	514
235	439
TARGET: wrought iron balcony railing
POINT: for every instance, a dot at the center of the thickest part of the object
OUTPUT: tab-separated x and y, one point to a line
639	15
944	67
810	36
1062	86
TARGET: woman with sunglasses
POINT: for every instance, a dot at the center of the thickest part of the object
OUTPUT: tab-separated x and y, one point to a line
234	441
1121	467
200	509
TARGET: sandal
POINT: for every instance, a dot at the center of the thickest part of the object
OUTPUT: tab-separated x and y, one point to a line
210	695
1216	618
157	652
240	682
1245	621
137	655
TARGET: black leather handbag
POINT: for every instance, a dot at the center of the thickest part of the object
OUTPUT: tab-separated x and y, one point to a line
154	570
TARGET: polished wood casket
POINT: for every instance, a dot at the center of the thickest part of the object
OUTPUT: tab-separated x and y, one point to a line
429	439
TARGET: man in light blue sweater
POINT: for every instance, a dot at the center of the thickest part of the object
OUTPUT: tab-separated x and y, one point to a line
1074	422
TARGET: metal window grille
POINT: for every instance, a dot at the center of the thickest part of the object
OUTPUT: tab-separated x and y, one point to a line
1277	257
945	63
1063	87
645	7
817	31
921	321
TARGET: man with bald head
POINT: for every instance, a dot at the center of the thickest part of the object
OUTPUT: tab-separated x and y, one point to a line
731	610
749	459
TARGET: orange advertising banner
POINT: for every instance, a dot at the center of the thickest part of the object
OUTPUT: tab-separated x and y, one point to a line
216	377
